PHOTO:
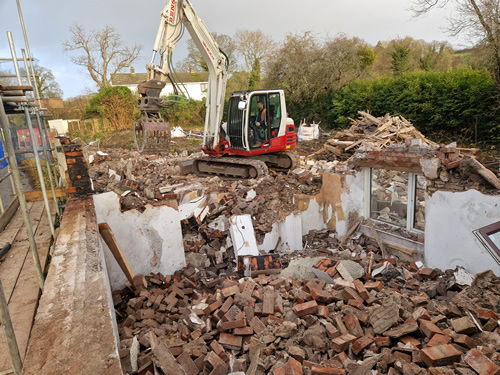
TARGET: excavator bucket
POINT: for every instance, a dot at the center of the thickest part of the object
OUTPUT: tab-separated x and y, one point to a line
152	136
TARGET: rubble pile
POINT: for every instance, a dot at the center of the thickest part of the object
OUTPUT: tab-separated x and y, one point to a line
370	131
398	319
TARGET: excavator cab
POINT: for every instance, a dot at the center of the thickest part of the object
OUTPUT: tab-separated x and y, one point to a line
274	131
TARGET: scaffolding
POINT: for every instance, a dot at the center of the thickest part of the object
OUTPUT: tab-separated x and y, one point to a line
24	99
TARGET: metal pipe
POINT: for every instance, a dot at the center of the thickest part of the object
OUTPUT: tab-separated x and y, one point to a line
33	142
17	178
2	209
3	178
10	335
16	99
44	145
4	123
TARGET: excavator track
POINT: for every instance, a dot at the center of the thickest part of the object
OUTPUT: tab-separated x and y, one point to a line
282	161
230	167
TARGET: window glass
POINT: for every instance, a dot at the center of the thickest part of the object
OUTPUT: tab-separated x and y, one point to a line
389	196
274	110
420	188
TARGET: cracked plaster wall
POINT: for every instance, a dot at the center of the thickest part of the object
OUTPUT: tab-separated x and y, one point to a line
339	198
150	241
450	220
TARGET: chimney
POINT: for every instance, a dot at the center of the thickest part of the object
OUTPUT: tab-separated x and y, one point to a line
132	70
191	69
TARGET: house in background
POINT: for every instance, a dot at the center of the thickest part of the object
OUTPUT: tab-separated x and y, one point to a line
196	83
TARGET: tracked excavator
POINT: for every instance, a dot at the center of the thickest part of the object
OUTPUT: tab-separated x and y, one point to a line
258	133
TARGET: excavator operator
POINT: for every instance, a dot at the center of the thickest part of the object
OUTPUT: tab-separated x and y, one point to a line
260	124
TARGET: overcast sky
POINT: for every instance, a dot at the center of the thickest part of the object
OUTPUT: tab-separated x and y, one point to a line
47	24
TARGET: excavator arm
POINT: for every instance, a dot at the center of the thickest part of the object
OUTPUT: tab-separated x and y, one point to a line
177	15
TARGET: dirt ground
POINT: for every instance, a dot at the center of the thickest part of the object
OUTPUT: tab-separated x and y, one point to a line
124	139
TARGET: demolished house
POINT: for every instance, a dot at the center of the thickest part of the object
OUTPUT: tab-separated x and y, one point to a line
333	268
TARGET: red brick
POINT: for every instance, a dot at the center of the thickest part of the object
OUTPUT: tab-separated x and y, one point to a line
320	295
219	370
341	343
383	341
279	371
400	356
480	363
249	287
187	364
234	324
340	325
362	343
278	303
323	311
464	340
340	283
318	370
176	351
229	341
356	304
486	314
218	349
464	325
375	285
268	303
361	289
227	305
428	328
440	355
245	331
257	325
306	308
353	326
438	340
350	293
332	331
407	339
213	360
421	313
273	317
293	367
211	308
230	291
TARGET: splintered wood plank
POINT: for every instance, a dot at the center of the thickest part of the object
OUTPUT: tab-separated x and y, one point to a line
25	293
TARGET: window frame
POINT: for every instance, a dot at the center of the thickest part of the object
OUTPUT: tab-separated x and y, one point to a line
410	209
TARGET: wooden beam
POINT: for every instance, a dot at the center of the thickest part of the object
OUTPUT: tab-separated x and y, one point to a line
8	213
110	240
351	230
377	238
37	195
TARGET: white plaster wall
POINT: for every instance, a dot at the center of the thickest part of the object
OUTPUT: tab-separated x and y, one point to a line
450	219
312	218
150	241
288	233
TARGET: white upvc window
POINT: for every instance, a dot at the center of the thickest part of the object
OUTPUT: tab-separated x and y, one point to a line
396	198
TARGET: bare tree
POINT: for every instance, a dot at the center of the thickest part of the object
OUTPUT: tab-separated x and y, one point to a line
477	19
47	85
253	45
195	59
101	52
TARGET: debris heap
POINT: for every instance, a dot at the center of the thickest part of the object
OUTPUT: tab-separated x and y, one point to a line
372	132
402	320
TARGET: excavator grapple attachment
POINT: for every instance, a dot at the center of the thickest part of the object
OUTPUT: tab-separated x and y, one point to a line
152	136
